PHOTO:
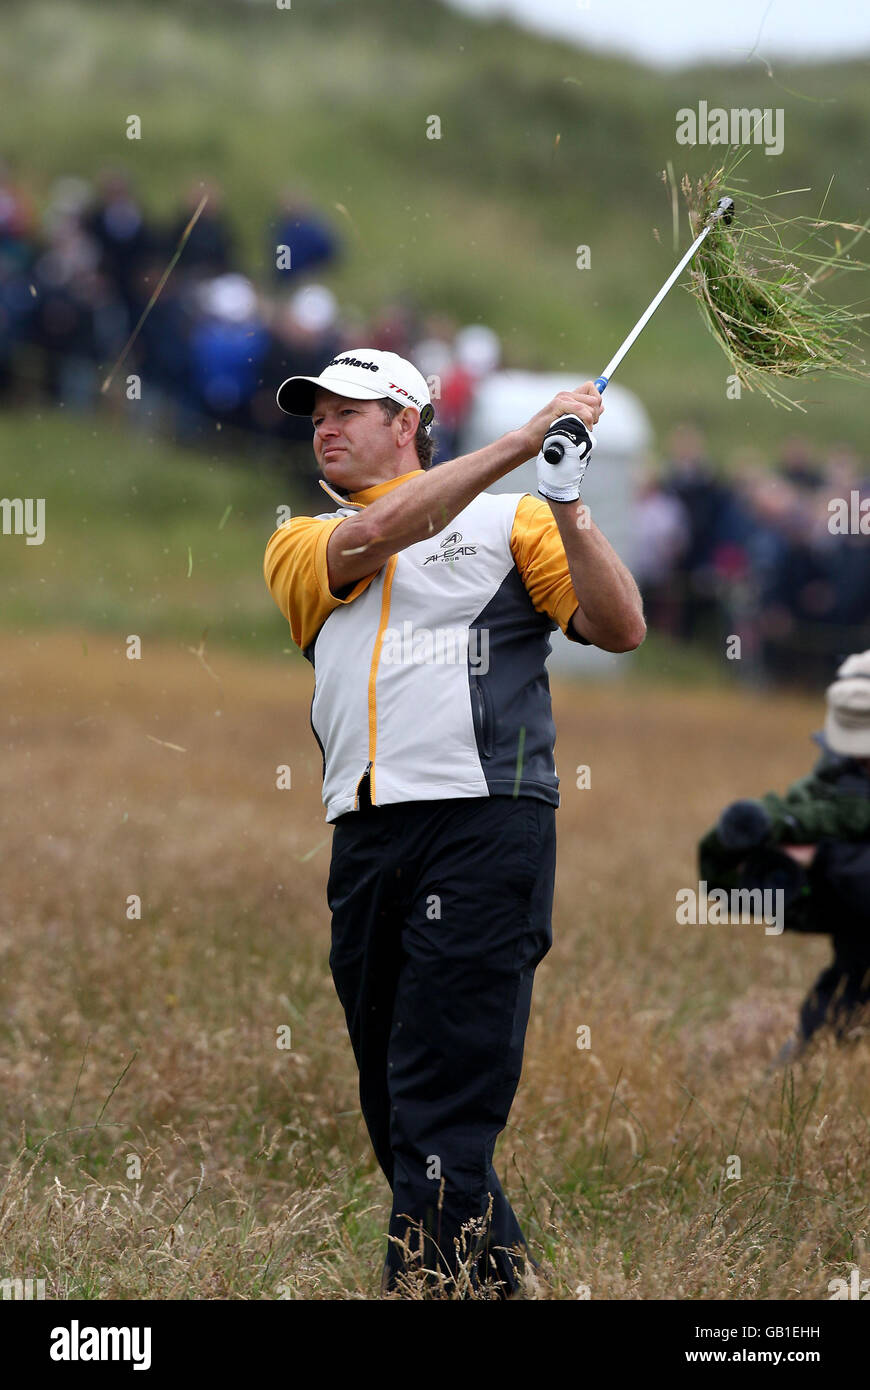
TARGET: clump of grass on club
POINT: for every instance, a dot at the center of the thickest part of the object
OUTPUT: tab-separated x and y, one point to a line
755	284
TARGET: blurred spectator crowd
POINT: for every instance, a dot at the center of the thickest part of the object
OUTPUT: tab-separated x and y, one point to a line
76	276
758	554
750	553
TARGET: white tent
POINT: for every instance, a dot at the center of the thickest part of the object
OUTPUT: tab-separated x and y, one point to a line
506	400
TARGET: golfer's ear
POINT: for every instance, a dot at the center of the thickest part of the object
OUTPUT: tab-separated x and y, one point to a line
409	420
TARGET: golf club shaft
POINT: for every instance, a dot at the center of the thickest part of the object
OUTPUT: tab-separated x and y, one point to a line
644	319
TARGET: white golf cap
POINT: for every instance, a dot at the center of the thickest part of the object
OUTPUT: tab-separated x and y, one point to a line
363	374
847	725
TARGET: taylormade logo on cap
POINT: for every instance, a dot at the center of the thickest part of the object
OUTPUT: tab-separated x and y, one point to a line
362	374
354	362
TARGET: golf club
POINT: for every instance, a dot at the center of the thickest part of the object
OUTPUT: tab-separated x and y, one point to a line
555	450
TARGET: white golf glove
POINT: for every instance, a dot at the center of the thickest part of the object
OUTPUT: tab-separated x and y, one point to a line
563	459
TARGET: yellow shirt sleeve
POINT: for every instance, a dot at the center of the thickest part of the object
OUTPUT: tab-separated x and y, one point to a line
540	557
296	575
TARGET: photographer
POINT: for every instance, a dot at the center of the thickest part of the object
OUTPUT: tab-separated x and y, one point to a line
813	843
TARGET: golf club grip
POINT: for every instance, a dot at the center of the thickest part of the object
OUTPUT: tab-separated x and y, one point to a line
555	452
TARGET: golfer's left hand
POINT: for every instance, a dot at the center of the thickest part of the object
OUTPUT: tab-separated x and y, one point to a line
560	481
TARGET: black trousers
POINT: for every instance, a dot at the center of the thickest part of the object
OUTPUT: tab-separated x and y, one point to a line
841	994
440	914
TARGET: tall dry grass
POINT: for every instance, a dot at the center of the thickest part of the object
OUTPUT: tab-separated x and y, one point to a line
149	1046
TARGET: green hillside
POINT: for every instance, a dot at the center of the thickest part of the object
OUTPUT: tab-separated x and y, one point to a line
334	95
140	537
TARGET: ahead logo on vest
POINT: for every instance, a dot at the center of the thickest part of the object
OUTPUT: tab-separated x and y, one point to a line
451	548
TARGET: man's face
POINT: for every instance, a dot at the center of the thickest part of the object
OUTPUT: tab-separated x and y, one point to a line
355	446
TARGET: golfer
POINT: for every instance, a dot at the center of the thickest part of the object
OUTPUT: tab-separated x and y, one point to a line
425	604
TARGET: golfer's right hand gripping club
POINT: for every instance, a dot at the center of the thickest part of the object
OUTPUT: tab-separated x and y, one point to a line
554	451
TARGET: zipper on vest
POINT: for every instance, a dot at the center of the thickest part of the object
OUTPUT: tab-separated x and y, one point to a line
373	676
483	717
366	777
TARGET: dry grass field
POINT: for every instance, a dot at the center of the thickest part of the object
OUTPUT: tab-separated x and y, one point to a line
159	1144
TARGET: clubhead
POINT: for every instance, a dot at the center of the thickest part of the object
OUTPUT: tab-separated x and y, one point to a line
725	210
